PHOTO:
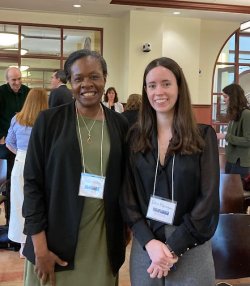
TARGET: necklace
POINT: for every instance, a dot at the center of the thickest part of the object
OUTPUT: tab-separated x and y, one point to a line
89	129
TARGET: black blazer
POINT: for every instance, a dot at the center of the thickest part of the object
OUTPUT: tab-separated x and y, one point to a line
52	177
60	95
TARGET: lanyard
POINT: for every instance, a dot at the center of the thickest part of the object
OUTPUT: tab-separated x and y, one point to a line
83	161
172	174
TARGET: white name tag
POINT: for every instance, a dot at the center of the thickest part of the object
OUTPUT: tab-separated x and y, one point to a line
91	186
161	209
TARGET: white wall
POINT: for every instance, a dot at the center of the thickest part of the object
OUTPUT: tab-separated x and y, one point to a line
193	43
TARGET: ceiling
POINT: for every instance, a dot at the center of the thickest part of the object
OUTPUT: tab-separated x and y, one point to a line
232	10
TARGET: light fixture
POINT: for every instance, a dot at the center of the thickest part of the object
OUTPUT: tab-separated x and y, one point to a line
176	13
9	38
245	26
77	5
22	68
23	51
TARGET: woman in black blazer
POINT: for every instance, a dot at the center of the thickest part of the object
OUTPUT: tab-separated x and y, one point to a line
73	176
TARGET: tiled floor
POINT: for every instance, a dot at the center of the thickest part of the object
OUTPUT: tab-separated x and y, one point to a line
11	268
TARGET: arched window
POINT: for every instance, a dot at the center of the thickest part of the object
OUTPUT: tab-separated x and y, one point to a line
233	65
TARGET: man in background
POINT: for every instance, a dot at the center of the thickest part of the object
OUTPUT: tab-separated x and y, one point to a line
12	96
60	94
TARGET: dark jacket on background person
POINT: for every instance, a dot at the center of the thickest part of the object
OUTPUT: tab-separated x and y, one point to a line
10	104
60	95
51	185
131	115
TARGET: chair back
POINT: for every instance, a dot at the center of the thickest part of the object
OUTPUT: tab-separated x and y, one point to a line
231	246
231	194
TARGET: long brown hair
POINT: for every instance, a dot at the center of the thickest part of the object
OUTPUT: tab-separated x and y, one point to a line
186	137
36	101
237	101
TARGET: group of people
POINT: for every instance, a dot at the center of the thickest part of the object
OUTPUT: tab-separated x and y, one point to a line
89	174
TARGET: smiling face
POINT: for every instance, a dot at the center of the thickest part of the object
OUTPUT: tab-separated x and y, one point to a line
162	89
14	78
88	82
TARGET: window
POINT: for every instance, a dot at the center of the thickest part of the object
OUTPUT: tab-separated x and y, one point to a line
40	49
233	65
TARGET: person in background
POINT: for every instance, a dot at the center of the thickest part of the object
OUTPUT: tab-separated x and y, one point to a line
170	196
132	108
12	97
60	93
73	176
238	131
111	100
17	142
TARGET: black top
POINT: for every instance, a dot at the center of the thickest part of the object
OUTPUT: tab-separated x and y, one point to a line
131	116
196	190
10	104
60	95
51	185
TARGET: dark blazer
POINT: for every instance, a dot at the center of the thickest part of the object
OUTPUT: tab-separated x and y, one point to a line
52	176
60	95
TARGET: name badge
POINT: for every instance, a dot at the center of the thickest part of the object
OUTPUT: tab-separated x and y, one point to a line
91	186
161	209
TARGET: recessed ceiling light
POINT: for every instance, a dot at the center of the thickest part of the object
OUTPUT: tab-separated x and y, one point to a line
176	13
77	6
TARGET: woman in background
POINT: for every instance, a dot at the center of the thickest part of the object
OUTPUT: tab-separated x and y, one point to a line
238	131
17	141
111	100
132	108
171	191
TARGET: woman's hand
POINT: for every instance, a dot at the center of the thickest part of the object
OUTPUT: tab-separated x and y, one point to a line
45	259
45	265
161	257
220	136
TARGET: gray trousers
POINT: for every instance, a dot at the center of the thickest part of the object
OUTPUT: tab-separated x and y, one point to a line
194	268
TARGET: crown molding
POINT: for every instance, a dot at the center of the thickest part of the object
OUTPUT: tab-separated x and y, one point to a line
186	5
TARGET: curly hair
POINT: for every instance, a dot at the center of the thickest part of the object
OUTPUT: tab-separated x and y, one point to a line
83	54
134	102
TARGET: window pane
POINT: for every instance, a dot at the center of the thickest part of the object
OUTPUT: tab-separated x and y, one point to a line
228	52
39	71
74	40
244	80
219	109
244	49
9	42
41	41
41	63
224	75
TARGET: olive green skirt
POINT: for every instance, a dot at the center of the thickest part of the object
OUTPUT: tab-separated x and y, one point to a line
92	267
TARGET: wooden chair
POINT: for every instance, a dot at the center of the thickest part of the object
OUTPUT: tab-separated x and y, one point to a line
231	246
231	194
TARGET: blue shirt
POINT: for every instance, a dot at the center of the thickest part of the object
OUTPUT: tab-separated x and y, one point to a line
18	135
